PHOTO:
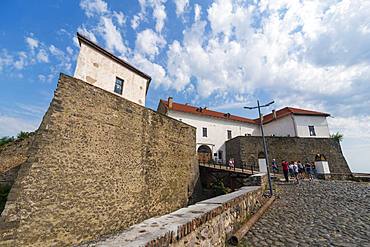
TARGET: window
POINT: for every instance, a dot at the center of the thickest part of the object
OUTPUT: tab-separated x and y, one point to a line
204	132
312	130
229	136
118	87
220	154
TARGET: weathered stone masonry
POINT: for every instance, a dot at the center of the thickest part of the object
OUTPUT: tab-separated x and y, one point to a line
12	156
245	149
207	223
98	164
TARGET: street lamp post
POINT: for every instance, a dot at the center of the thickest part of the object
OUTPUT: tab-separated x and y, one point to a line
263	138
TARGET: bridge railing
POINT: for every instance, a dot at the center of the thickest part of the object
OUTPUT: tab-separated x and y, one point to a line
244	167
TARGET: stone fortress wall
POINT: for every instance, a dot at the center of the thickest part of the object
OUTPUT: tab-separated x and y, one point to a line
12	155
98	164
207	223
245	150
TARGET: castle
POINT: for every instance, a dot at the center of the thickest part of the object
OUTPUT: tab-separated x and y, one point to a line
213	129
101	162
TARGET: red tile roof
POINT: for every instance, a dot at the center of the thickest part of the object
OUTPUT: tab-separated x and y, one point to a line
206	112
290	110
226	116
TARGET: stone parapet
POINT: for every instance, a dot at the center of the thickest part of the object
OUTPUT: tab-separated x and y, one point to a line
207	223
247	149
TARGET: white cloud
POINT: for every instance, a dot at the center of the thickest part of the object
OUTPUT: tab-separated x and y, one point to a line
90	35
5	59
92	7
41	77
197	12
37	53
181	6
309	54
10	126
119	17
46	78
281	50
22	61
42	56
149	43
160	15
108	25
153	69
159	12
56	51
69	51
32	43
111	35
352	127
136	19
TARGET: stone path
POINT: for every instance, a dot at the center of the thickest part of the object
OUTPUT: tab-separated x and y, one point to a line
317	213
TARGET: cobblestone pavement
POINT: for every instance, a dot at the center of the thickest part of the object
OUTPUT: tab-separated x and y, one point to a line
317	213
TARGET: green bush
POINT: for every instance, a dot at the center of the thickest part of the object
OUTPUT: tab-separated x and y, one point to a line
337	136
23	135
5	140
20	136
219	188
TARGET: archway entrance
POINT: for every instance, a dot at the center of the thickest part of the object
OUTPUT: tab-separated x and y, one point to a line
204	154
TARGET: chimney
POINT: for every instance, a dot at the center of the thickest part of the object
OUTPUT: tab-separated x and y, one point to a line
170	102
274	114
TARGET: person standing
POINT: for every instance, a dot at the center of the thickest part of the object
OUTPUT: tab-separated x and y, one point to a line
295	171
308	170
274	166
285	166
300	170
231	163
313	170
290	169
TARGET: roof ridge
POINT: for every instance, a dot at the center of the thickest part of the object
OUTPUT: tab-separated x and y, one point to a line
211	113
227	116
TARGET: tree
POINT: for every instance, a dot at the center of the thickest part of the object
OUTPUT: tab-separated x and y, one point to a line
337	136
6	139
23	135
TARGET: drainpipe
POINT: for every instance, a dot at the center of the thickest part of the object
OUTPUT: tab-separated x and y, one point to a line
295	126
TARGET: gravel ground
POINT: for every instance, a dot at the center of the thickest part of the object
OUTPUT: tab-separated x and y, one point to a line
315	213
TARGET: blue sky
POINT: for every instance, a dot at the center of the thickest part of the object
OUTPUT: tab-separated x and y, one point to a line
223	54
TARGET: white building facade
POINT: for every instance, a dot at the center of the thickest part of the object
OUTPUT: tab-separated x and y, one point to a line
213	128
104	70
296	122
213	132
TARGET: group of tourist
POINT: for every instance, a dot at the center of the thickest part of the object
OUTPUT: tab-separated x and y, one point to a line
295	169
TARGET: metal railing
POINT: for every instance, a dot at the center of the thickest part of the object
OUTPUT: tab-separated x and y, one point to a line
244	167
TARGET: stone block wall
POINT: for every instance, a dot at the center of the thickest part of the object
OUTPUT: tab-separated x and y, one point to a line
12	155
246	149
206	223
98	164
